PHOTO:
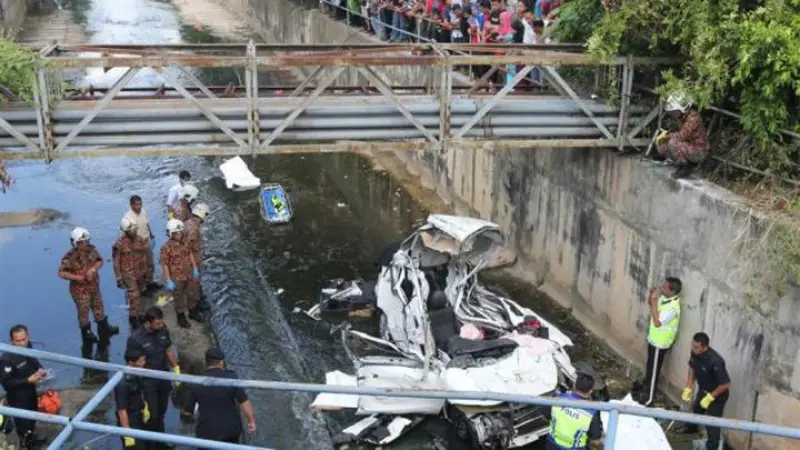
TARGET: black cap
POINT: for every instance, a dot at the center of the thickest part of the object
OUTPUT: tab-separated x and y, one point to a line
214	354
132	354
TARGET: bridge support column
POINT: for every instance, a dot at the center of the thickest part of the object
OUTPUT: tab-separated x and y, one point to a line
625	102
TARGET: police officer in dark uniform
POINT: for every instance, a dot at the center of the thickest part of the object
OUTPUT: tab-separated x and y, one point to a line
19	376
154	341
132	410
218	415
707	367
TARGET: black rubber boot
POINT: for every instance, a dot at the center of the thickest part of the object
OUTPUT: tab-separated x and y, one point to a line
203	304
87	335
196	315
684	171
105	330
133	321
183	322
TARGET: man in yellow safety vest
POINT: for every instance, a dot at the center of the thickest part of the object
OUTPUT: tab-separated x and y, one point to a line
665	316
575	428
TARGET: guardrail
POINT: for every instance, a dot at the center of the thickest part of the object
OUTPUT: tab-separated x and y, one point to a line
78	422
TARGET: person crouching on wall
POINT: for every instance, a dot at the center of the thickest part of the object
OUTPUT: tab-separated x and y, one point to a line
686	148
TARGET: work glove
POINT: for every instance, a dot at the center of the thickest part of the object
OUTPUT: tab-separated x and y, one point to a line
146	412
686	395
706	401
129	442
177	371
196	274
170	285
170	215
662	135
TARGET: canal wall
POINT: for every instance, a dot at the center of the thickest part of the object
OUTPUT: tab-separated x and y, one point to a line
593	230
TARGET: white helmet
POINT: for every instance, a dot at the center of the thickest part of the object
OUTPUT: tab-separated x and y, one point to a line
677	101
189	193
126	225
174	226
201	210
79	234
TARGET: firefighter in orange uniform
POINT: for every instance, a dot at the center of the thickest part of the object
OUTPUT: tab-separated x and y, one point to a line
80	266
178	269
194	240
130	255
183	211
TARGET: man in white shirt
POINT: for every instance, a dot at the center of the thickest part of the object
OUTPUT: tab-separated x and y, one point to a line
175	192
138	215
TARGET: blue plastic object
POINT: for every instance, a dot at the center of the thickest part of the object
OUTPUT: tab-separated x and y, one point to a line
275	205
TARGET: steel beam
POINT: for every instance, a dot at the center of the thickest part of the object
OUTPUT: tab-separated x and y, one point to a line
206	112
493	101
302	107
306	82
87	409
200	85
564	85
328	147
625	102
129	74
387	92
645	121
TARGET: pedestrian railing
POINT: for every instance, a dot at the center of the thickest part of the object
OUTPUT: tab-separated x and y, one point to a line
78	422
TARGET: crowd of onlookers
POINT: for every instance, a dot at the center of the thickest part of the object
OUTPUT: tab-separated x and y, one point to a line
454	21
457	21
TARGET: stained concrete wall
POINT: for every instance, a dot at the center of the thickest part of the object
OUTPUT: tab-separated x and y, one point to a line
12	15
594	230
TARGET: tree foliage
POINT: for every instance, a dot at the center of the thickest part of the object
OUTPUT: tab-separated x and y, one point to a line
740	54
17	69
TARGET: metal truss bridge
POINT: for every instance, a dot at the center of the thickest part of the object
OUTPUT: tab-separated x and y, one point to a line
343	101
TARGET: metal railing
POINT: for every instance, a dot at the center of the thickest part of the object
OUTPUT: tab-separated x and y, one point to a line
78	422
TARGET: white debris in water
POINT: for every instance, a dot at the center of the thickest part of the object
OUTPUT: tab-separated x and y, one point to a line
341	205
279	291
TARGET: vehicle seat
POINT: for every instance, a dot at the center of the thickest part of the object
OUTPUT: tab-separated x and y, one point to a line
495	348
444	324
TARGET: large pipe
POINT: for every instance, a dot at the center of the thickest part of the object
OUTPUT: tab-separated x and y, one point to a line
267	125
367	106
314	135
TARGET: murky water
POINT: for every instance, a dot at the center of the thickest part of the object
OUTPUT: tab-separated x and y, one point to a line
345	213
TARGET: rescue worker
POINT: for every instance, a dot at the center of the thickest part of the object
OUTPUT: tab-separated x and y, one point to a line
665	316
707	368
80	266
5	178
19	376
572	428
184	177
277	203
132	409
178	268
218	406
183	210
194	240
153	339
129	254
138	215
687	147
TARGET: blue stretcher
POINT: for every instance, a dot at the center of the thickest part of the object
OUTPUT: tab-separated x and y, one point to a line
275	205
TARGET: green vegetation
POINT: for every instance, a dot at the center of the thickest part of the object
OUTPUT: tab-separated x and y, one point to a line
18	69
741	55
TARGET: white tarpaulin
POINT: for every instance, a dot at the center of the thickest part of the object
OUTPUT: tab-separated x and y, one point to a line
237	176
636	433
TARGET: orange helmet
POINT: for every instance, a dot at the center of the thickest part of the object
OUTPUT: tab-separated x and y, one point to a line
49	402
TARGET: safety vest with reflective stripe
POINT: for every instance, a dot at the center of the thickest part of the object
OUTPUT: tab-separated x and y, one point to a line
664	336
569	427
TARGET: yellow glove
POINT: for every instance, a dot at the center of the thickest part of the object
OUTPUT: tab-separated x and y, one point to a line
177	371
129	441
146	413
662	135
170	215
686	395
706	401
